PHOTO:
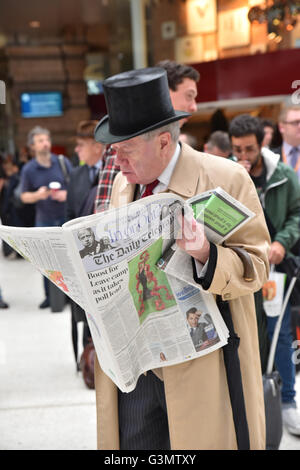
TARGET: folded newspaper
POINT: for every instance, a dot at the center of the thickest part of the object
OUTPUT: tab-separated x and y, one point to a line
140	316
221	214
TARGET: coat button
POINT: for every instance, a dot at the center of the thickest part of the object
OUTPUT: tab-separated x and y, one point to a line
227	296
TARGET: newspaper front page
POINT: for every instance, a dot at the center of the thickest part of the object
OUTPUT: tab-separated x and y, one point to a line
140	317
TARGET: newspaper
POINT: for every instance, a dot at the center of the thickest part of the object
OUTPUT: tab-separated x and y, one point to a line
136	312
221	215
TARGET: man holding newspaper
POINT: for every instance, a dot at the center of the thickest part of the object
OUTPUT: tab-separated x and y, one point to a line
143	128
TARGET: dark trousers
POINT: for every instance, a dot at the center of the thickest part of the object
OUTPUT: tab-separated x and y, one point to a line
143	421
284	356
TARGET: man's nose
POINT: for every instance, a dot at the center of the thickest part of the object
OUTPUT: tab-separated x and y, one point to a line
193	107
243	154
119	157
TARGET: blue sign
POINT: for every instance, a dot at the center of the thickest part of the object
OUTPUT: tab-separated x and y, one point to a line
41	104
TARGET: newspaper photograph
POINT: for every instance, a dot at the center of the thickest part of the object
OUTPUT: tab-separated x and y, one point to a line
140	317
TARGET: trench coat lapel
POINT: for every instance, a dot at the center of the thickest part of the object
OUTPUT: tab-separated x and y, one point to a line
125	194
186	186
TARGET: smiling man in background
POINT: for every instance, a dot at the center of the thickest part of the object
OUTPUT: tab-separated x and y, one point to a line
182	81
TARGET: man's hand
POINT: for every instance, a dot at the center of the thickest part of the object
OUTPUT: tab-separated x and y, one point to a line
276	253
192	238
59	195
42	193
246	164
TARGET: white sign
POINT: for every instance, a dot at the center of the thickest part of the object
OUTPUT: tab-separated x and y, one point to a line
234	28
189	49
201	16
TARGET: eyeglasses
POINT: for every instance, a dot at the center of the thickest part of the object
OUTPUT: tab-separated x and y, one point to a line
293	123
248	150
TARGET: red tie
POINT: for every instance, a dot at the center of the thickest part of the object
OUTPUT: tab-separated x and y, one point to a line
149	188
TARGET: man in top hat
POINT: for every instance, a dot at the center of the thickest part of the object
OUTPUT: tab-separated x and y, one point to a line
143	128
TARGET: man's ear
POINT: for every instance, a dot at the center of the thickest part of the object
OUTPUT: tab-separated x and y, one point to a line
281	128
165	140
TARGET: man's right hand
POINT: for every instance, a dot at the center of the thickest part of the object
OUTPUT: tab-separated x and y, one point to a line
31	197
42	193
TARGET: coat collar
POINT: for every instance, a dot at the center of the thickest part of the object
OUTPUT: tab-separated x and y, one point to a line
126	190
271	160
185	166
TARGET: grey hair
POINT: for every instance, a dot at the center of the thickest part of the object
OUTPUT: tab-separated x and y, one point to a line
173	128
89	229
221	140
37	130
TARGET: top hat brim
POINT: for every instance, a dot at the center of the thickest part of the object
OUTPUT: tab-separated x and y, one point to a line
103	134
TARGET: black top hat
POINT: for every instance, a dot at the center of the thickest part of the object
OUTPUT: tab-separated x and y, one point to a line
137	101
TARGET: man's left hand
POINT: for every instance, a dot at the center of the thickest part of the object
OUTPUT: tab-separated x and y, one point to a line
59	195
276	253
193	239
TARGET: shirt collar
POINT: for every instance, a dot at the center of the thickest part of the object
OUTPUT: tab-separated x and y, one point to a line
37	164
287	148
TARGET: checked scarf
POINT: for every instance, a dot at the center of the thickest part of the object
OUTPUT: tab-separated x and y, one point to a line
106	178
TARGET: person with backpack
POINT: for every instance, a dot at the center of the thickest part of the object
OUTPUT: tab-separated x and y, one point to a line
37	178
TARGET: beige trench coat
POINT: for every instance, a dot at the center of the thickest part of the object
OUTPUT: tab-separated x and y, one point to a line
199	410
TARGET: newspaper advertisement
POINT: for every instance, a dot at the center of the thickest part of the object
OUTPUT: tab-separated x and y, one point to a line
221	216
140	317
